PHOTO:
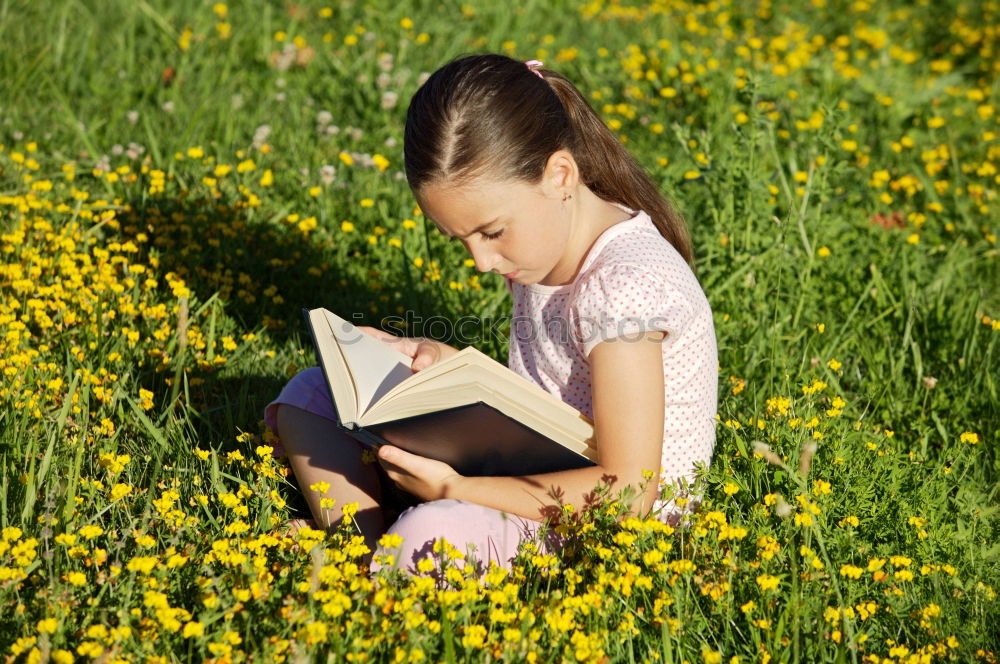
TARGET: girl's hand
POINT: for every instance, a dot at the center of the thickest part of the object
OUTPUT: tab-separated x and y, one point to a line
424	352
425	478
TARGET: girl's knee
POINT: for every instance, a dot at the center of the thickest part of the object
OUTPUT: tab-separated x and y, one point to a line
421	526
428	521
479	533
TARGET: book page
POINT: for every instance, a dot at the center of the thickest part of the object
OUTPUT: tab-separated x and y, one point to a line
476	366
374	367
470	376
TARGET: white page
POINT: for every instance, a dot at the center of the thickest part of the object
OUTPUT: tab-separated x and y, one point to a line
375	367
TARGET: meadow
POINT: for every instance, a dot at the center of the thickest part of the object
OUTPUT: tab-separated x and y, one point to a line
178	180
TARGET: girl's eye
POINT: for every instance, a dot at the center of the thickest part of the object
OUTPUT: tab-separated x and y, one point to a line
493	236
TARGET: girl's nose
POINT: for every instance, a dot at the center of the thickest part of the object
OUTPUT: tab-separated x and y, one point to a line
485	259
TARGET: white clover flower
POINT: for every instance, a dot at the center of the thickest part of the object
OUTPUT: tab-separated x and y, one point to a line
260	135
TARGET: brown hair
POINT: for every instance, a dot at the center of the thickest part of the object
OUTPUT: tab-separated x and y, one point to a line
491	111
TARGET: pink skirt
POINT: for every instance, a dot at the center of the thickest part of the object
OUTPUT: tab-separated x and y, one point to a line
483	534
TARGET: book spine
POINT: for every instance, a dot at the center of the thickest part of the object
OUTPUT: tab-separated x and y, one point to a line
367	438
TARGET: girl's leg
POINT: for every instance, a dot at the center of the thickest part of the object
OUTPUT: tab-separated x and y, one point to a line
485	535
320	452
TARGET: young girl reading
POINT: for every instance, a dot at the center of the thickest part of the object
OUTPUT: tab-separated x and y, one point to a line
510	160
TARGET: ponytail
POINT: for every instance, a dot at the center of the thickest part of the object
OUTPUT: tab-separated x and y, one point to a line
610	171
490	112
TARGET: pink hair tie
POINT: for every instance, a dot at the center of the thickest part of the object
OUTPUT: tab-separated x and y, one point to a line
533	65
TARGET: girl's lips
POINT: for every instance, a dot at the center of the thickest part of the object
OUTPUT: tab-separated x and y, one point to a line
511	275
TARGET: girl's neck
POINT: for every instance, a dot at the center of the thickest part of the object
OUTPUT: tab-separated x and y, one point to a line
589	217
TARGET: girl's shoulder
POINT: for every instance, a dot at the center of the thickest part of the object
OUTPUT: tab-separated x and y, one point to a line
635	245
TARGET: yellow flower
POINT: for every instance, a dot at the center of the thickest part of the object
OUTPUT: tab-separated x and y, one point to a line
267	179
823	252
768	582
75	578
193	628
141	564
850	571
730	489
89	532
346	226
711	656
119	491
969	437
47	626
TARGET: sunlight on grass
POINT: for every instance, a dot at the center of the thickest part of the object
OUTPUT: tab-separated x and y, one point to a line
179	181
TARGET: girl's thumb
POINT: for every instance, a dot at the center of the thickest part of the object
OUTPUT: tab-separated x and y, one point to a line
426	355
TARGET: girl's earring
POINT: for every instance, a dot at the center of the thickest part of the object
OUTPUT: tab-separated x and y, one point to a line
566	197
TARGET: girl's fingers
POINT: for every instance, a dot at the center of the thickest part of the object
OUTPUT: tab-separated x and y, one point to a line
404	345
424	352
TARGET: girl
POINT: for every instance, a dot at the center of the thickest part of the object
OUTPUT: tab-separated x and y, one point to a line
510	160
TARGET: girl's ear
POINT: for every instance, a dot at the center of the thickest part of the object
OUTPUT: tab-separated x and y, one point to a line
562	174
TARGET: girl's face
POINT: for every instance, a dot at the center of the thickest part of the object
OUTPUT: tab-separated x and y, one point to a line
515	229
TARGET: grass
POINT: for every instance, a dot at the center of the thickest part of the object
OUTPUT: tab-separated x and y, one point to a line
177	181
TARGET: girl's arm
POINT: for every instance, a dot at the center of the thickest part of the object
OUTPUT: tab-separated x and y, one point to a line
627	386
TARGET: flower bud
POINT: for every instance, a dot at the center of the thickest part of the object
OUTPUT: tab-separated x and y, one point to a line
782	508
805	457
761	448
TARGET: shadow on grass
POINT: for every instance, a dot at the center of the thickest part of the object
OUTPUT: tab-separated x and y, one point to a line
247	272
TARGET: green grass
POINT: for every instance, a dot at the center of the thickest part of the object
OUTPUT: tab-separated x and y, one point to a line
872	335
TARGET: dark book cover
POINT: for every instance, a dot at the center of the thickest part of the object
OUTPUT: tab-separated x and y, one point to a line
475	440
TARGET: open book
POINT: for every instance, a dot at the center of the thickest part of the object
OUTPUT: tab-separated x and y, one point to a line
467	410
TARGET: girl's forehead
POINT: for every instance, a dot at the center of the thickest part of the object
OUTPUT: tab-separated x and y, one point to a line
478	189
449	203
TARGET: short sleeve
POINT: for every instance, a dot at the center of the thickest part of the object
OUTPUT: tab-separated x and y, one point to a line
622	299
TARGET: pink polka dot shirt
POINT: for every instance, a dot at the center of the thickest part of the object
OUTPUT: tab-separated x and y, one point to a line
632	280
